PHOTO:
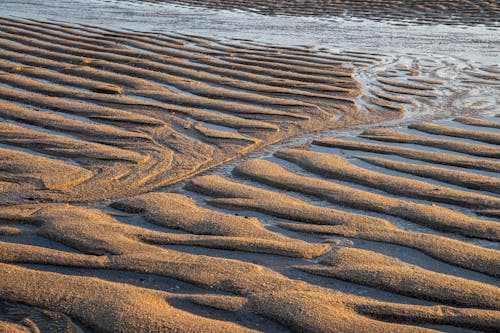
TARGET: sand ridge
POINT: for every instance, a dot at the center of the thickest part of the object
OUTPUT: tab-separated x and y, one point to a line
146	110
335	174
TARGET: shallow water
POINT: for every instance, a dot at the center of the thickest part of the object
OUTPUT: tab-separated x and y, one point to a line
473	43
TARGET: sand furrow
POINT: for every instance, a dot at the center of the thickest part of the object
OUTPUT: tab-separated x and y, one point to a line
477	122
236	196
174	97
433	216
331	166
493	138
460	178
443	11
461	147
71	226
415	154
378	271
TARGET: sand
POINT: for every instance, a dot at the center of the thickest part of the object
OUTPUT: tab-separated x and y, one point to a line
268	292
366	267
331	166
151	99
433	216
238	196
164	182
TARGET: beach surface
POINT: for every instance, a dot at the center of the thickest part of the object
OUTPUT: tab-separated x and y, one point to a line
249	166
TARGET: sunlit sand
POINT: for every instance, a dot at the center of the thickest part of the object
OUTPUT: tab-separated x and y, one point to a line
238	166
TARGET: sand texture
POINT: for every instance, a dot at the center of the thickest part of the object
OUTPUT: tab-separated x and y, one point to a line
449	280
142	110
351	194
164	182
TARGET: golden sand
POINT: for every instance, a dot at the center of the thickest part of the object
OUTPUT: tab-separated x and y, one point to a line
96	122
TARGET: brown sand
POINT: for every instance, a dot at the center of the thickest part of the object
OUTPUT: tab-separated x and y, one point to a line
488	137
331	166
326	220
378	271
461	178
144	110
415	154
90	113
461	147
433	216
130	307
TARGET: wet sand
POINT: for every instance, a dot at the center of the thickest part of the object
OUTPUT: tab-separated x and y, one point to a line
423	12
166	182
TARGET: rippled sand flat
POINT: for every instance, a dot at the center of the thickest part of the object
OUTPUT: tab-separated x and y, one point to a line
429	12
167	182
